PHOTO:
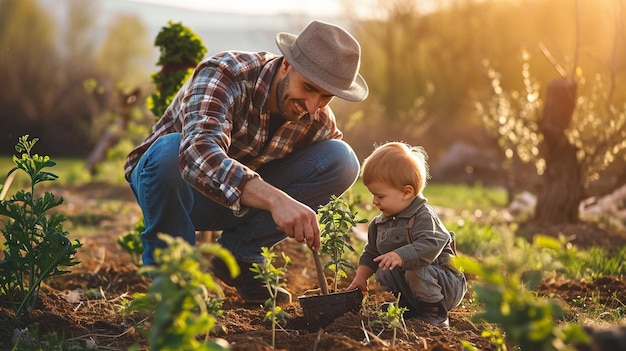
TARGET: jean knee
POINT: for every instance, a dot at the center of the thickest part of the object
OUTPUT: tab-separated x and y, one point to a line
163	161
345	164
345	156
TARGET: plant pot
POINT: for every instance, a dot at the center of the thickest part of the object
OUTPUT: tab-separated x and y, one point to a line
321	310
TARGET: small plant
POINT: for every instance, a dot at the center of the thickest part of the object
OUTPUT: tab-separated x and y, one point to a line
131	243
391	318
272	277
36	246
336	221
184	299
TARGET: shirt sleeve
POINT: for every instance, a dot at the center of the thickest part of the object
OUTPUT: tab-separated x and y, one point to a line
207	105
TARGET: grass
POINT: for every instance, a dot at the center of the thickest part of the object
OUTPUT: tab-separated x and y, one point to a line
94	215
458	197
463	197
70	170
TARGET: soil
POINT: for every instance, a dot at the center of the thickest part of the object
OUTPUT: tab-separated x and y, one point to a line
84	305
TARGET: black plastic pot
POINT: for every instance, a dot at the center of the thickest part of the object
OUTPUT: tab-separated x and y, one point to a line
321	310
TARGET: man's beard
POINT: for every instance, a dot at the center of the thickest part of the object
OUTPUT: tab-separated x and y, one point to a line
284	101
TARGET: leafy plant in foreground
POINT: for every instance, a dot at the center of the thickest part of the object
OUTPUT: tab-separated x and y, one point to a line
36	246
336	221
272	276
184	299
509	302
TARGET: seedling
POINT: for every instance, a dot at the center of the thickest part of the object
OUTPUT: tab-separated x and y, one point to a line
272	277
391	318
336	221
36	246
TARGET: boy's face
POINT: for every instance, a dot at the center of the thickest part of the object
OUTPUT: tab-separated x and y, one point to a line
390	200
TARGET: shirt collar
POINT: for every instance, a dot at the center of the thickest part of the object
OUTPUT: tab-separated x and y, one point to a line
408	212
264	83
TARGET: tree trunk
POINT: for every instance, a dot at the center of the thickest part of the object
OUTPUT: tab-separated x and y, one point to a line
114	132
562	185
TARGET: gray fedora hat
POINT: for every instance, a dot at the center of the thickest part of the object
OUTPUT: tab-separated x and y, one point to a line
327	55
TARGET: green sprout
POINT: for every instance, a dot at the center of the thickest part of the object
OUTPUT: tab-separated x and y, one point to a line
272	276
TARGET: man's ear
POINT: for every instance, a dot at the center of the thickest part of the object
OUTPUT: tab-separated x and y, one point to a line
285	65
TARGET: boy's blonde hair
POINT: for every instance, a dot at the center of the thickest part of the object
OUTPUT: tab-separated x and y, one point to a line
397	164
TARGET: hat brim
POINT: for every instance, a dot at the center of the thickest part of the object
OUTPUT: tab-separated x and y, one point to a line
357	92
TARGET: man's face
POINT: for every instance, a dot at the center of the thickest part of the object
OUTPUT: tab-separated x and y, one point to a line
297	96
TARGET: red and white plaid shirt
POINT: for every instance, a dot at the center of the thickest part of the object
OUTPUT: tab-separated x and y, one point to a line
222	113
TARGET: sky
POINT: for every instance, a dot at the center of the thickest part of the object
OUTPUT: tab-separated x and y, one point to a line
329	8
248	25
311	8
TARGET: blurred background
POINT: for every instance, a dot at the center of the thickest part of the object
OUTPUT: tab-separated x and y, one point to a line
465	79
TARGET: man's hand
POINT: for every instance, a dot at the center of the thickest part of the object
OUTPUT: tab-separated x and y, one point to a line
296	219
390	260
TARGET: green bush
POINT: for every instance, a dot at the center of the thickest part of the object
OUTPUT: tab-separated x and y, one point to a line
181	50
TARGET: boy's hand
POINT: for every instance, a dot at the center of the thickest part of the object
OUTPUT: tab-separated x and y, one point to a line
390	260
361	278
358	283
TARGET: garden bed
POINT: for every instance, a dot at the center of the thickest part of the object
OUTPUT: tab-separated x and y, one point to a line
84	305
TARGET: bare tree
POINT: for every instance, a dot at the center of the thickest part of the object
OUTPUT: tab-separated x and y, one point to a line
572	136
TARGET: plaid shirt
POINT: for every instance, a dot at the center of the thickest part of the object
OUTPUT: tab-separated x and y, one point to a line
223	116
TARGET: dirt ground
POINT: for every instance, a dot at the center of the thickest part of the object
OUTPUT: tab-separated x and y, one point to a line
84	305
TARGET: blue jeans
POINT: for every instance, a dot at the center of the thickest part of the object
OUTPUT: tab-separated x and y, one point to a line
172	206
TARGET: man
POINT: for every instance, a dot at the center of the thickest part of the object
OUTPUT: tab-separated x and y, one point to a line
250	146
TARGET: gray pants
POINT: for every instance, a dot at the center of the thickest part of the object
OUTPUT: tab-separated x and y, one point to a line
430	284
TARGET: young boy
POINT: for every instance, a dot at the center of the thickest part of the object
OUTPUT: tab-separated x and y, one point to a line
408	247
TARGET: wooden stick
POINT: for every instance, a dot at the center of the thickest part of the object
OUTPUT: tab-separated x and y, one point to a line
7	184
320	272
